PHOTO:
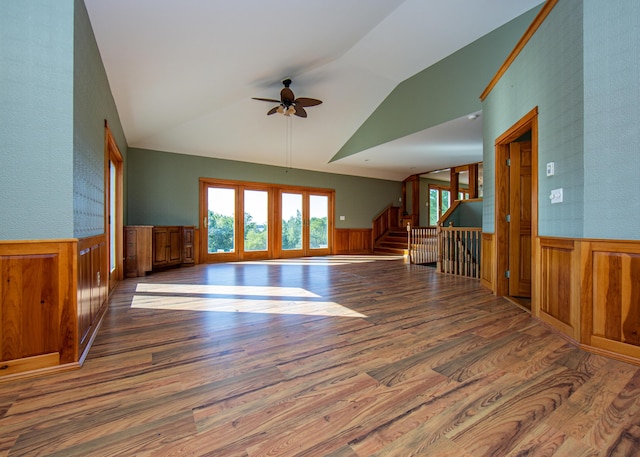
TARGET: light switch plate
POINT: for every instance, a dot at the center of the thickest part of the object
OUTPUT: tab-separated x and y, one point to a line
551	168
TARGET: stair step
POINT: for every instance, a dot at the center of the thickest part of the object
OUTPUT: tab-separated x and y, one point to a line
394	242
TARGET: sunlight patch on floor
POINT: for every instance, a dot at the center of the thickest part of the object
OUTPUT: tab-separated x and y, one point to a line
200	289
234	305
236	299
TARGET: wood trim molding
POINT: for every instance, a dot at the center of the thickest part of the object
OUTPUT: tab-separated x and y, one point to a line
539	19
529	122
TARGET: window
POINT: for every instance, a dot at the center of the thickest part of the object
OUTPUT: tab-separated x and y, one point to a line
439	202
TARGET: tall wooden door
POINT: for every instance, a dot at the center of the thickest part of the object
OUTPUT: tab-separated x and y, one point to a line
520	208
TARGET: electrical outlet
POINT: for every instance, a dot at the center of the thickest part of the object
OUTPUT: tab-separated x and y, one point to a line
342	218
556	196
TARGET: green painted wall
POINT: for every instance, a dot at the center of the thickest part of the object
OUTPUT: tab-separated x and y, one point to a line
92	104
36	119
611	119
444	91
163	187
548	74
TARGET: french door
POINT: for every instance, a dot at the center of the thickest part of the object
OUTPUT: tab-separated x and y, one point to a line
243	221
305	219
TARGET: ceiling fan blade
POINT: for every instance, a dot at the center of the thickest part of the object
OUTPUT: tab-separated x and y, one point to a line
304	101
286	94
273	110
266	99
300	112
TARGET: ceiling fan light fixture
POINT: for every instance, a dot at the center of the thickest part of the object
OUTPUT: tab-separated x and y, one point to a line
289	104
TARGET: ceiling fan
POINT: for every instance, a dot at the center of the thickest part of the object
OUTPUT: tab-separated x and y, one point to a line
288	104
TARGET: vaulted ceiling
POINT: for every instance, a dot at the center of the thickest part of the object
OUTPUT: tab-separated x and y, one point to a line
183	74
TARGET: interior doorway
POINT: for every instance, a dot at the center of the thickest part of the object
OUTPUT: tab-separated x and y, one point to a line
517	210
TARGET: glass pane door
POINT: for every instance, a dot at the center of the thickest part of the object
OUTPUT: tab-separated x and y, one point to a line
221	204
291	211
318	221
256	218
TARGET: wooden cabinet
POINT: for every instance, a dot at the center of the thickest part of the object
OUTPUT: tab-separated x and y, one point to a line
137	250
150	248
167	246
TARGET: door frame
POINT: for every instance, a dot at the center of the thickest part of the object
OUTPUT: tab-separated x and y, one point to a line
113	222
501	246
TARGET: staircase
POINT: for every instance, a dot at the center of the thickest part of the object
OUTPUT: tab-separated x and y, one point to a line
394	242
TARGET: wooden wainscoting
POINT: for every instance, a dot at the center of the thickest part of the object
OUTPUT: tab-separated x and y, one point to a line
559	287
53	295
611	298
590	291
93	291
38	319
487	261
353	241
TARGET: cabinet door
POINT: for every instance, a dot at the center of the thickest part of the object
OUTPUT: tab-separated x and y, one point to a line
160	246
175	245
130	253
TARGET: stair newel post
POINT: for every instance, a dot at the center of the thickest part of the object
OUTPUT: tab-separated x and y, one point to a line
409	242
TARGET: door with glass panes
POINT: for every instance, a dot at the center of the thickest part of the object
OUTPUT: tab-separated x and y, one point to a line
305	223
253	222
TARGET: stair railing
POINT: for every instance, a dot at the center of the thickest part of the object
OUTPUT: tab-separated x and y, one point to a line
387	219
423	245
459	251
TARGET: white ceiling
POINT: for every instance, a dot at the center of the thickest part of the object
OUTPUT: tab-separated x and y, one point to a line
183	73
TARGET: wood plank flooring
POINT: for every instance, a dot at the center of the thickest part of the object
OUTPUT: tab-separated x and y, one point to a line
337	357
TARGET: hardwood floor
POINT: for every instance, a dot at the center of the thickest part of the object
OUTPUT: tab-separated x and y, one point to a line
334	356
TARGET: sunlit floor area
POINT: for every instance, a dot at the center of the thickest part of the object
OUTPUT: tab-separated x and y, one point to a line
337	356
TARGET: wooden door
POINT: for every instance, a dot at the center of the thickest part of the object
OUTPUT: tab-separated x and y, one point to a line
520	207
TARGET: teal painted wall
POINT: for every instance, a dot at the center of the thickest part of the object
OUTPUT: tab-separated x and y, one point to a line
612	119
36	119
163	187
548	73
444	91
92	104
468	214
55	98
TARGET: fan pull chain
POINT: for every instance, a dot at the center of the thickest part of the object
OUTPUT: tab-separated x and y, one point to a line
288	142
